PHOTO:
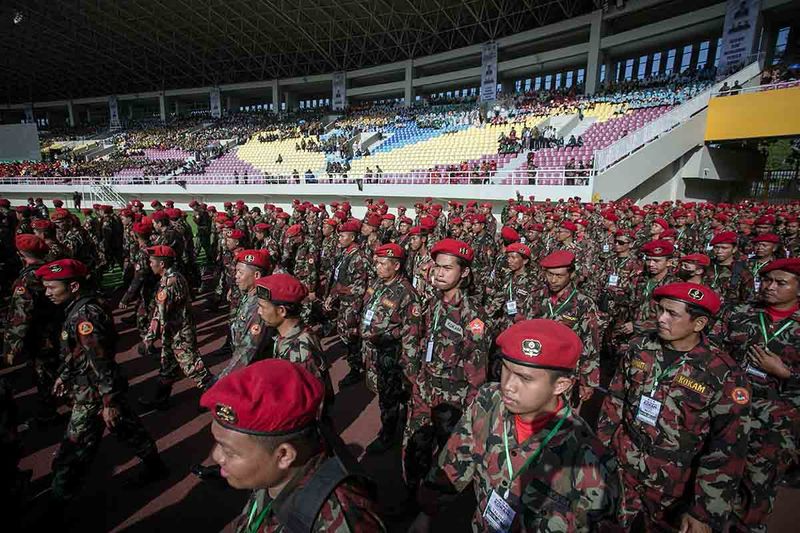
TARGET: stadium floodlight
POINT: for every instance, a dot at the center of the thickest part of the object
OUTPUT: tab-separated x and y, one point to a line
18	17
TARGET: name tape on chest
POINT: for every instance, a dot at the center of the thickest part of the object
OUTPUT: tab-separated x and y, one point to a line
638	364
455	328
689	383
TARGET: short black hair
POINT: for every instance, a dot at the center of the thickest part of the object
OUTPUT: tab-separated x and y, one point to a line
306	441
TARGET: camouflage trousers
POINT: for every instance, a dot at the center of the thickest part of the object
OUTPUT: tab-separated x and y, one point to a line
385	377
144	312
425	435
347	328
187	359
773	429
82	439
45	368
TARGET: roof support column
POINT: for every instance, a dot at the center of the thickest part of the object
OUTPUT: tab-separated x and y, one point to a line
593	61
162	107
408	94
70	115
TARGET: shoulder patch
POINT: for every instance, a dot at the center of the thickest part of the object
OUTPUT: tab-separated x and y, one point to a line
137	266
689	383
476	326
639	364
19	290
161	296
311	260
255	329
388	303
64	335
85	328
415	310
741	396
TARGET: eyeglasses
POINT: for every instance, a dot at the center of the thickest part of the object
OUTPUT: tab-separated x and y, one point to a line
621	242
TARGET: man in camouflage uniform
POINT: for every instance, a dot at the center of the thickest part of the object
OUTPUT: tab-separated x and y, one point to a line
143	283
32	325
765	247
676	415
485	252
764	337
226	290
94	383
165	234
419	262
622	271
172	323
328	252
562	301
346	295
548	472
46	230
728	275
389	340
203	222
74	238
454	346
271	410
791	236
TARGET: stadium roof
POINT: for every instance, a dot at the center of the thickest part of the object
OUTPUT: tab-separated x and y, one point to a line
61	49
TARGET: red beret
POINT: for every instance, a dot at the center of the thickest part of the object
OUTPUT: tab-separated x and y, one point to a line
5	203
418	230
767	237
509	234
256	258
456	221
226	205
625	233
62	269
668	233
294	229
161	250
391	249
406	220
26	242
270	397
229	224
519	248
261	227
236	234
558	259
221	217
281	289
427	222
373	220
351	226
661	222
331	221
487	205
535	227
678	213
58	202
541	343
85	210
142	228
173	214
193	204
691	293
107	209
725	237
283	214
169	203
154	203
480	218
60	214
765	220
700	259
790	264
610	216
125	212
160	215
387	216
567	225
41	223
721	217
658	248
453	247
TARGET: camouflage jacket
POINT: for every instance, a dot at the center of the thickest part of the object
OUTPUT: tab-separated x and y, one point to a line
80	247
55	251
88	348
579	312
734	283
327	259
418	267
459	350
572	486
32	321
250	336
641	307
143	282
305	265
172	320
390	317
518	289
301	345
695	451
349	508
485	253
740	328
619	275
350	277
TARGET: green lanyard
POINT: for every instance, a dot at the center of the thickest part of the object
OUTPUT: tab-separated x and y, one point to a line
648	288
553	314
253	527
660	374
377	299
767	338
757	267
535	456
716	277
510	293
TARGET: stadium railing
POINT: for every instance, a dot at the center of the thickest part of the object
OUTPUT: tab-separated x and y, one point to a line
758	88
632	142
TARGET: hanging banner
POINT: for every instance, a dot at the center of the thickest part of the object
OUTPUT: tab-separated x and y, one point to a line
739	35
113	110
489	72
216	106
29	119
339	90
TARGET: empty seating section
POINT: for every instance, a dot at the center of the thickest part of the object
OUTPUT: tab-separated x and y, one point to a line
408	133
265	157
222	167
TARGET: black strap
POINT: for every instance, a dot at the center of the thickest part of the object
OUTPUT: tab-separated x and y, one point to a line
736	272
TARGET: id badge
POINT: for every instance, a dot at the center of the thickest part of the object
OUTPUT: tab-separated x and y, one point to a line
368	317
511	307
429	352
757	284
613	280
414	282
498	514
649	410
336	274
606	248
755	371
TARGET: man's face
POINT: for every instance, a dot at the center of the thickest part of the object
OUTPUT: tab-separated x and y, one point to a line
403	228
526	390
764	249
681	221
269	313
245	463
156	265
59	292
327	230
557	278
688	269
456	231
477	228
231	244
674	321
386	224
516	261
245	277
656	229
779	287
447	272
656	265
367	230
563	234
40	233
281	222
724	251
792	227
621	245
386	268
346	238
762	229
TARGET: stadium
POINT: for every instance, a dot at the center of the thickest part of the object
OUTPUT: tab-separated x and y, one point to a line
604	110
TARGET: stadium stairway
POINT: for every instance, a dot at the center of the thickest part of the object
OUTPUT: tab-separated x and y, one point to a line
654	160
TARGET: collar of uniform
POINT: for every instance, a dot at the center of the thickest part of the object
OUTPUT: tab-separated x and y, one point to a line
299	480
533	442
763	310
292	333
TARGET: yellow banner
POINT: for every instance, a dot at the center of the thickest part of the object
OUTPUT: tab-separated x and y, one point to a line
755	115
